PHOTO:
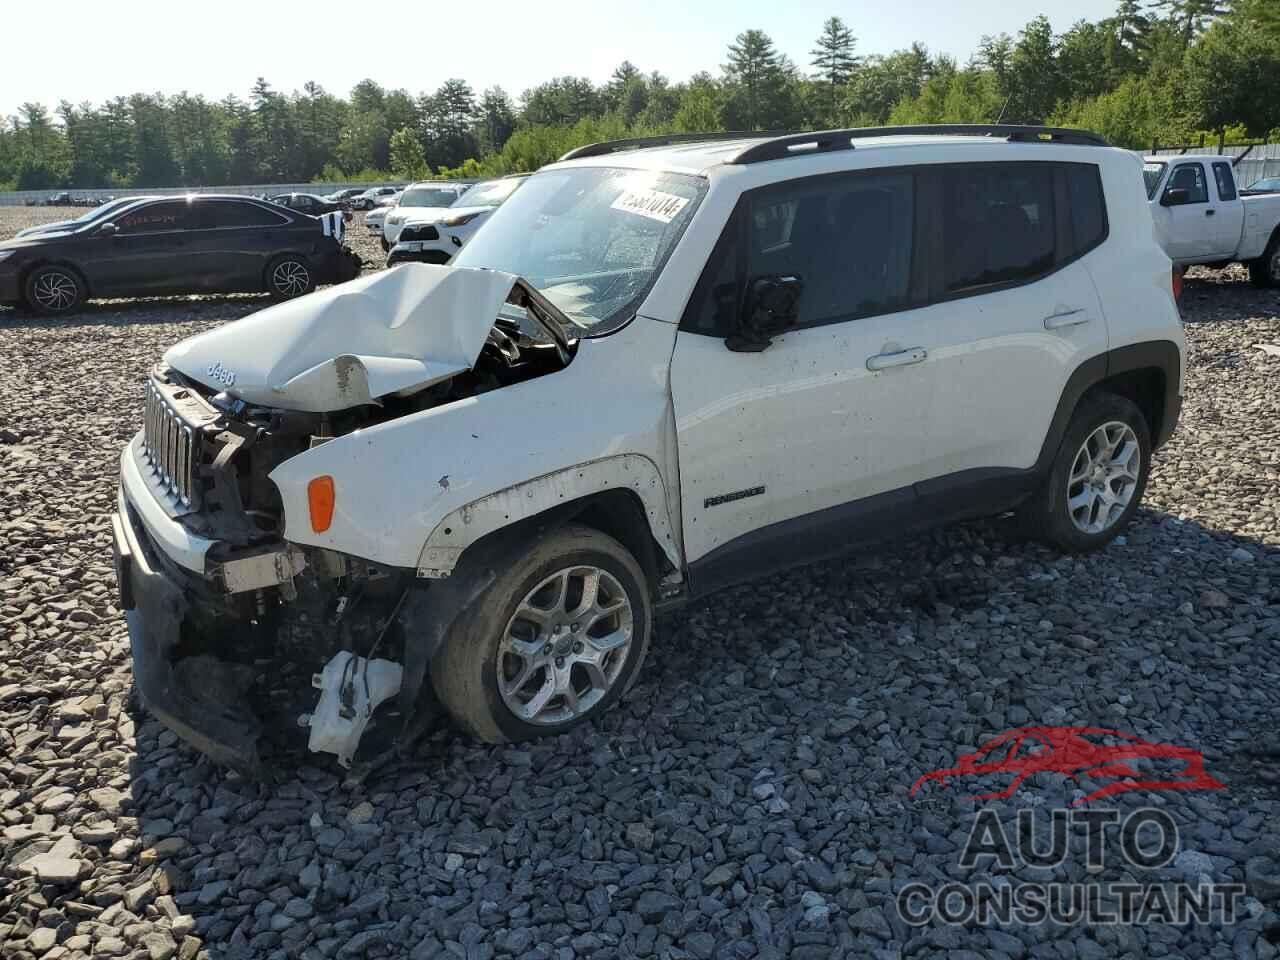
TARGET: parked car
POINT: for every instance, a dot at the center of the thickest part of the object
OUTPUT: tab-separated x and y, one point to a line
423	199
661	368
434	236
101	213
376	217
311	204
369	199
197	244
342	196
1201	217
1265	185
63	199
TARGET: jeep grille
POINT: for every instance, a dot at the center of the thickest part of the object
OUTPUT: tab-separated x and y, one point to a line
171	446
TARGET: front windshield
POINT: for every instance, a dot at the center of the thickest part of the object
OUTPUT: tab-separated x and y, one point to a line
428	197
488	194
1151	173
107	207
592	240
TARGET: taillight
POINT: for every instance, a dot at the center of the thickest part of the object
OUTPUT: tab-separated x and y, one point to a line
1177	284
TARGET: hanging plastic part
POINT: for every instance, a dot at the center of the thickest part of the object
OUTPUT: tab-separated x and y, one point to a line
367	683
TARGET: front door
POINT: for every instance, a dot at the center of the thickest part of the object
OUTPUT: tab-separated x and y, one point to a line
786	452
150	253
1188	226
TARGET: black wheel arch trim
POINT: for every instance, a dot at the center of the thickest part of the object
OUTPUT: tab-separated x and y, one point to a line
1162	355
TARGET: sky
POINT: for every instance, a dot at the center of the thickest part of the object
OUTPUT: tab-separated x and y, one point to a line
168	46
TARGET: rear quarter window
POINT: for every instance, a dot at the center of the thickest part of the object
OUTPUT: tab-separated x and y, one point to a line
1088	208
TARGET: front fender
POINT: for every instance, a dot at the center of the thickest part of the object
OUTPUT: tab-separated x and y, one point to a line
461	528
397	485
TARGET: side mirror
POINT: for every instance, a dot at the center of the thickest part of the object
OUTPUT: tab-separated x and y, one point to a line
771	306
107	230
1175	197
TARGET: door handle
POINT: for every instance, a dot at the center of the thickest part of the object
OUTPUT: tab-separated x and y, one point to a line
1210	212
899	358
1066	318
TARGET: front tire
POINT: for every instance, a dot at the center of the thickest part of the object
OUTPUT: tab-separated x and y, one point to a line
289	276
1097	478
553	643
54	290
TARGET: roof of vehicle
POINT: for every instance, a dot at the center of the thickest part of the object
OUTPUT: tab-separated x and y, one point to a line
696	153
1179	157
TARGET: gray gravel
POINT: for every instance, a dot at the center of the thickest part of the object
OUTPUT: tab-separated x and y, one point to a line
748	799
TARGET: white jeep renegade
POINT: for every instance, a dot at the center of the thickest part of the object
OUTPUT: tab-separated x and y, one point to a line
661	368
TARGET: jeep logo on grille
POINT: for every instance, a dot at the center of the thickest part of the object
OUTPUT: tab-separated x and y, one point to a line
220	373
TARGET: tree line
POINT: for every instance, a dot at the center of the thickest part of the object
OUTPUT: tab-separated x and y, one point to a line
1168	71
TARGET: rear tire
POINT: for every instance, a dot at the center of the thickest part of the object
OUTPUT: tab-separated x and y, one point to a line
1265	271
54	290
553	643
1097	478
289	276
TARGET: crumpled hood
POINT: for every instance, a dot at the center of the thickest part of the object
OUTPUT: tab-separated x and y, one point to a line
391	331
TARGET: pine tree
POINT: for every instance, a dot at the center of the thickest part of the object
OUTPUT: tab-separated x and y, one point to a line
1191	15
833	57
755	66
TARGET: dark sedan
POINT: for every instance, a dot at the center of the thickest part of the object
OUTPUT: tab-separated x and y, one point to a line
311	204
176	245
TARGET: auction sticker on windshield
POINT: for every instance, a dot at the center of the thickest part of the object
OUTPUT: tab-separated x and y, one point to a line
654	204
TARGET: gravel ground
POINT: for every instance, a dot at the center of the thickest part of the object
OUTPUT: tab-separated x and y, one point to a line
748	799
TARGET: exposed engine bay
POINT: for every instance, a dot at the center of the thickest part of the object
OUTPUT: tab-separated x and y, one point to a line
308	641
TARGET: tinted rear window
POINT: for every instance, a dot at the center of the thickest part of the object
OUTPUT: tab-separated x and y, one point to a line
234	213
997	223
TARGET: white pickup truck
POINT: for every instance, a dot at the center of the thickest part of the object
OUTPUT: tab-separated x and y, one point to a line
1201	217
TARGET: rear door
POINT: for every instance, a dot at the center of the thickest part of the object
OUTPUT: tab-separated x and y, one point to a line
150	252
1188	227
1228	217
1015	312
239	239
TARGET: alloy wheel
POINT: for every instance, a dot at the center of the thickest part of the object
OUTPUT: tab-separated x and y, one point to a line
1104	477
1275	266
290	278
54	291
565	646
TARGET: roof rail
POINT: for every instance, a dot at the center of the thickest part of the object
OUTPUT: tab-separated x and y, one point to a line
825	140
665	140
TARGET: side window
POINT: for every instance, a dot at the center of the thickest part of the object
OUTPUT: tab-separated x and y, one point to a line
847	238
156	218
234	213
1226	181
997	224
1190	177
1087	207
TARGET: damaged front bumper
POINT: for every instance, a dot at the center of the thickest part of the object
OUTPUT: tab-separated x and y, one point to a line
207	637
200	698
